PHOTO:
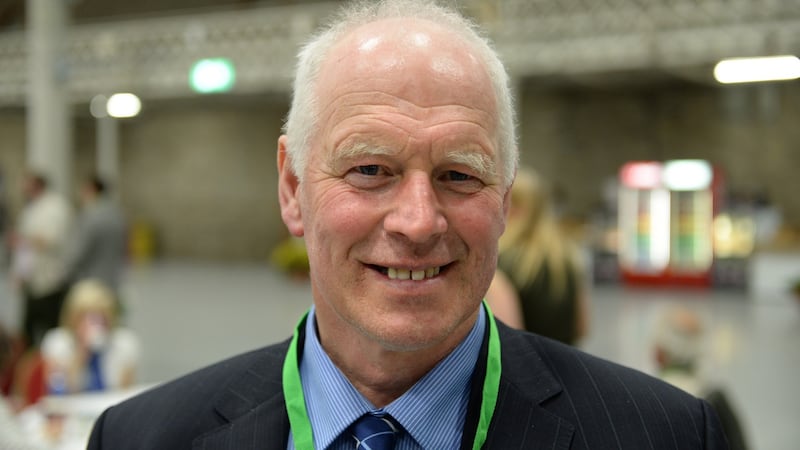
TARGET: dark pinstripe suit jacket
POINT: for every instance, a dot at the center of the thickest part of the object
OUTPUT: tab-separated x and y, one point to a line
551	396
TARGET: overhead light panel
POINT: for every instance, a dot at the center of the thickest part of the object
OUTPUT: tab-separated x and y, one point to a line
123	105
750	70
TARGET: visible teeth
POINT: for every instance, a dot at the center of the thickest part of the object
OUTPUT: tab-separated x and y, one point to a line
407	274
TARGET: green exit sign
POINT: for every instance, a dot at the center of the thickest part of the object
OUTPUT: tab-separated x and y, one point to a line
212	75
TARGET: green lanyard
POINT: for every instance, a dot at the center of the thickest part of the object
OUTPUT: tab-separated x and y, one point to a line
296	405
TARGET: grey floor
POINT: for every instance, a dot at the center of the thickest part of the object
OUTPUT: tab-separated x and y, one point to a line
189	314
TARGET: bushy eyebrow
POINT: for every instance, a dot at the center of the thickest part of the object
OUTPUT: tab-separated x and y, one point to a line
357	150
360	149
481	163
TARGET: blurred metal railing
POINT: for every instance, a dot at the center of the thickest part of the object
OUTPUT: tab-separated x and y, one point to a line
153	56
575	36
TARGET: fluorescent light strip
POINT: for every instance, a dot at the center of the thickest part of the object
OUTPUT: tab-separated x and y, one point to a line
749	70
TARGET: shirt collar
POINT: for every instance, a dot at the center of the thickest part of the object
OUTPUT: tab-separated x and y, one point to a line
436	402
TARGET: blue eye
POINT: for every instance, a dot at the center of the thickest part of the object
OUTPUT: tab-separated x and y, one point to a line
371	169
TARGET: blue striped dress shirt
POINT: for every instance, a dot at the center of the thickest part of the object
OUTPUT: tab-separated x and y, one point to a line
432	412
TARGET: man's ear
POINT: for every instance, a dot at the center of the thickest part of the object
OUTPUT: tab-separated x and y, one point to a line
288	186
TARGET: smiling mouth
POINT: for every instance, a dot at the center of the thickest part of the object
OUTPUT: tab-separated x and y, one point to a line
408	274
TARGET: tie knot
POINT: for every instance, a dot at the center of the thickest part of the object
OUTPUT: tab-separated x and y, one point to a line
374	432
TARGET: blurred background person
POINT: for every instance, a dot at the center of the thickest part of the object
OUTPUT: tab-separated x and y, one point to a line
98	249
291	257
12	435
679	345
89	351
540	282
38	256
4	221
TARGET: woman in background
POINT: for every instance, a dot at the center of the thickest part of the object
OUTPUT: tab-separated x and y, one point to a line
89	351
539	284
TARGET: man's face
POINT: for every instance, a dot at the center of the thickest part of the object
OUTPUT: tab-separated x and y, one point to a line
402	201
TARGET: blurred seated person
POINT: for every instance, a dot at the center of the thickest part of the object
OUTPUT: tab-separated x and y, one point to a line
12	349
539	285
12	435
89	351
678	350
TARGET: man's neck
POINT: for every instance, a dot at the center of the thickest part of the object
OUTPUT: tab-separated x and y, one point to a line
382	375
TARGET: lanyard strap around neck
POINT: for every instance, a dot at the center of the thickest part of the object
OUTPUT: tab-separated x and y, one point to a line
295	400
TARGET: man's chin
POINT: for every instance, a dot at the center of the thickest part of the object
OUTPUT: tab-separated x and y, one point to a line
411	336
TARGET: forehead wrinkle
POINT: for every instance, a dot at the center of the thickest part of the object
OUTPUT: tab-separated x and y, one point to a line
349	100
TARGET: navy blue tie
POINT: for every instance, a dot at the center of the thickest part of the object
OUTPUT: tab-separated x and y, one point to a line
374	432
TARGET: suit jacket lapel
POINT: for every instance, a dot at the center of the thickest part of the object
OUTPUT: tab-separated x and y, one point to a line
254	407
264	428
520	420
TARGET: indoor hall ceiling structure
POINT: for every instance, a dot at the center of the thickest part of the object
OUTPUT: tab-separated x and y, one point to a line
150	50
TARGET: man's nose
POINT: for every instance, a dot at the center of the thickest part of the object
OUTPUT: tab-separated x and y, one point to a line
415	211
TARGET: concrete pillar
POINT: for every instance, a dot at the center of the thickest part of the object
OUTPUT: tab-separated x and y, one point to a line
49	124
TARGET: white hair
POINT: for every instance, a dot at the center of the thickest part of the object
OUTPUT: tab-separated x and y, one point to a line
301	123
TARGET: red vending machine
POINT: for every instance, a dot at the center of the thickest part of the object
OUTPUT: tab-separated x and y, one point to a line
666	216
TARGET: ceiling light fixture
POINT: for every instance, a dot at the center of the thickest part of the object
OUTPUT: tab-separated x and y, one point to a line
750	70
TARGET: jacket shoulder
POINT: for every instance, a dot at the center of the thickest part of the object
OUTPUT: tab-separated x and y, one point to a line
172	414
609	405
